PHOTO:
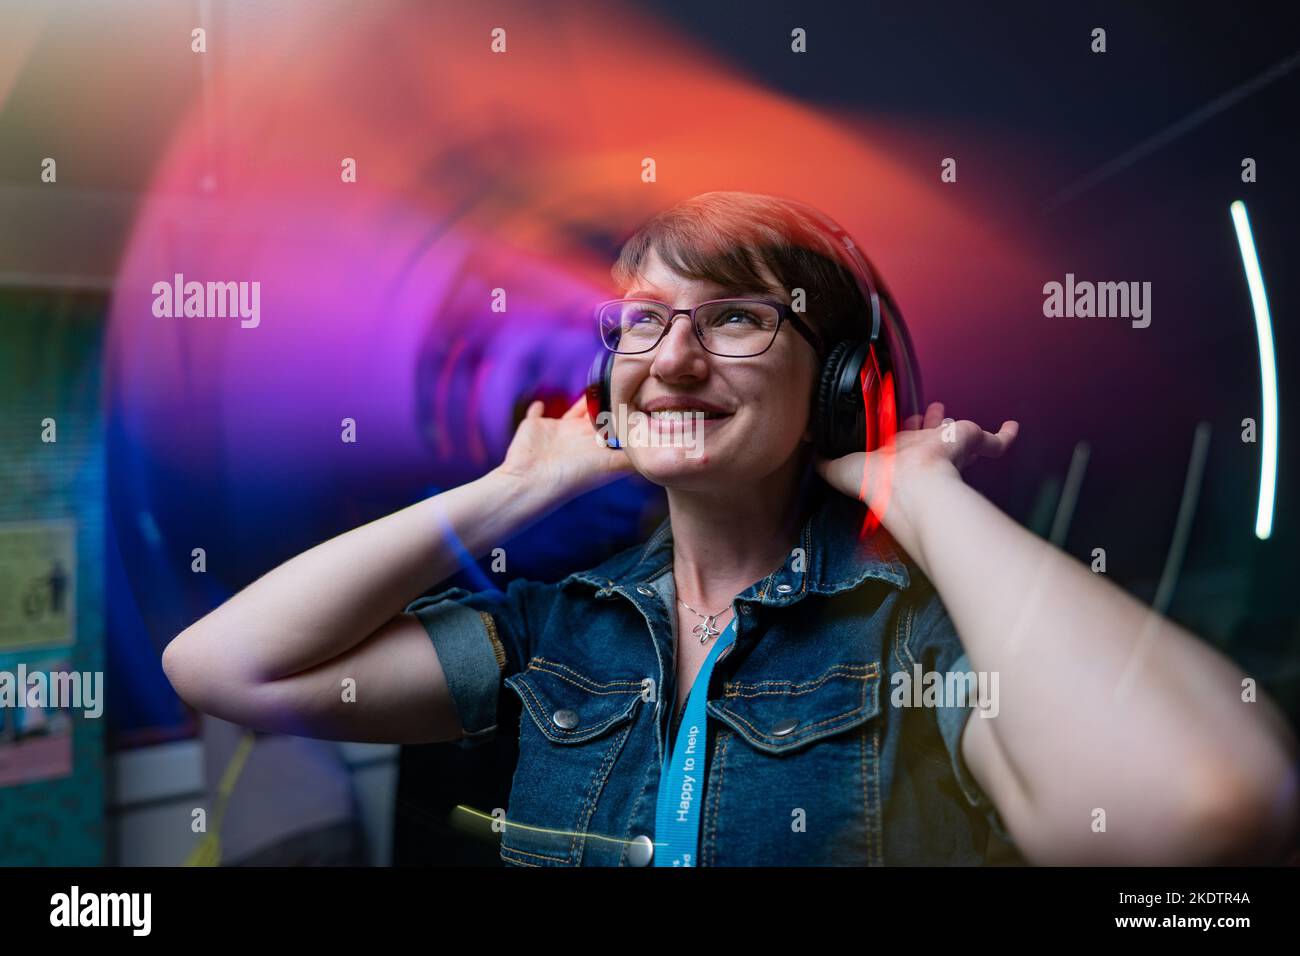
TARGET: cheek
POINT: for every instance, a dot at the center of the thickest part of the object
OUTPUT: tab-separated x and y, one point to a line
785	401
623	381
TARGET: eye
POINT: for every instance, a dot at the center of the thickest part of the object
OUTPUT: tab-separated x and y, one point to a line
741	316
643	318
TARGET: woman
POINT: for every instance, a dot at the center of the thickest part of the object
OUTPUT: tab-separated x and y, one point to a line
1112	734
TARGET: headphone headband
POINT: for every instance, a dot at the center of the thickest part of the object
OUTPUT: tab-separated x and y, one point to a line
888	334
858	265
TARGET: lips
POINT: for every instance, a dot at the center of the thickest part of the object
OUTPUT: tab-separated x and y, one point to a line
683	404
676	415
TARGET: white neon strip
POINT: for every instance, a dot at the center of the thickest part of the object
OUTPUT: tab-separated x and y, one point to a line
1267	370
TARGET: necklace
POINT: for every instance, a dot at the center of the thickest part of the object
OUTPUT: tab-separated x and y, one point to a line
708	627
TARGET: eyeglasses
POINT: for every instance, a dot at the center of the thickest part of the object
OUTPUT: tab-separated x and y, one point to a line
734	328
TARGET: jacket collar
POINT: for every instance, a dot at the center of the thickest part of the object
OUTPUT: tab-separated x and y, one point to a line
833	558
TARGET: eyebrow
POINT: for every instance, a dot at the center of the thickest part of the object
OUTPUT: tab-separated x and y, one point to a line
738	294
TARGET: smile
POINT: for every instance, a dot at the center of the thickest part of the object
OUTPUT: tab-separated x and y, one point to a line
676	415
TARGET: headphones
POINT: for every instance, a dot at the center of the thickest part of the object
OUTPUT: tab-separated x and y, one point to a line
867	385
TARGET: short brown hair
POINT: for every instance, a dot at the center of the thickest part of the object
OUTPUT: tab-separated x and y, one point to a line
723	237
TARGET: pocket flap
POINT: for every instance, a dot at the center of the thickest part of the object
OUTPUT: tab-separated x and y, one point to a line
567	706
780	716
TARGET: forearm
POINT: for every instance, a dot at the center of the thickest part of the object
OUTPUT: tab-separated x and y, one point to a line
1102	703
328	599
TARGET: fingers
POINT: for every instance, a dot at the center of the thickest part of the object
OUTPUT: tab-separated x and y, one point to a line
578	409
989	445
933	415
534	409
993	446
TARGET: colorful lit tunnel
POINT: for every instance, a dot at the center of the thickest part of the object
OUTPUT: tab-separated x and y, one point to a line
475	171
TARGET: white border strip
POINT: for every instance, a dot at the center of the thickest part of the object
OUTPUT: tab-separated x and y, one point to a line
1267	370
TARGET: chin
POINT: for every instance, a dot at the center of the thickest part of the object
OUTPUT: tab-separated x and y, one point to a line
664	466
672	468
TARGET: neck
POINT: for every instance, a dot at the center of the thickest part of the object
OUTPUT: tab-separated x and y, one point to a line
724	540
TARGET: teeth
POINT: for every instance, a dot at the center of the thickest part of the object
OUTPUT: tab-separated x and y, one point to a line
679	414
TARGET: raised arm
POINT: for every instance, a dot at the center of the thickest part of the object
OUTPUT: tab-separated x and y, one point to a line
1104	704
274	657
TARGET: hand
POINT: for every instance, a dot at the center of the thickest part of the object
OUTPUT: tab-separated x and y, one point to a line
925	446
564	454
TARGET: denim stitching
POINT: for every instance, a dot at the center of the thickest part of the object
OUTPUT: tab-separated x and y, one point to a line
540	856
903	635
866	799
720	761
855	671
877	837
532	665
595	731
803	737
807	550
622	857
651	577
594	790
514	862
490	623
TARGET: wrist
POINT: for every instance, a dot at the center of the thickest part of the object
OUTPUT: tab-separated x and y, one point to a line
526	496
911	499
508	485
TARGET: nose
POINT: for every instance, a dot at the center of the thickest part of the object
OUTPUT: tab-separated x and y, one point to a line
679	352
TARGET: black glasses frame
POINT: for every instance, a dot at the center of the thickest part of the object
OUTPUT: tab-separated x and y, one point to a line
784	314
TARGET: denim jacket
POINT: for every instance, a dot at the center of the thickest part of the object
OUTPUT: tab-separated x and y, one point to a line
808	760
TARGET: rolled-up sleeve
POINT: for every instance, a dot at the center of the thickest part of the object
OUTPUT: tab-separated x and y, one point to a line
482	637
933	641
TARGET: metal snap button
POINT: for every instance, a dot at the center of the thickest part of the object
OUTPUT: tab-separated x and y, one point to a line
640	851
784	588
568	719
642	589
784	727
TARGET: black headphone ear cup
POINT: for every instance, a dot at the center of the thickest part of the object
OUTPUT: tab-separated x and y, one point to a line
824	403
841	423
598	400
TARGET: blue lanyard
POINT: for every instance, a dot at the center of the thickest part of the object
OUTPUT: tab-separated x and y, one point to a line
681	785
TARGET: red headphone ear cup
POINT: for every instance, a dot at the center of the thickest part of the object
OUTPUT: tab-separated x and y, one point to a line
872	402
884	409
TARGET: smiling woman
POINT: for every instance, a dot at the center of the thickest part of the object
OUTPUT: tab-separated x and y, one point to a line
718	695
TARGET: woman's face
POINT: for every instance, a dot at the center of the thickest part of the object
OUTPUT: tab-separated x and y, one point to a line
765	399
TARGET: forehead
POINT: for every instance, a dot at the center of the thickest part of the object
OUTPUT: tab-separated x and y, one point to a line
656	280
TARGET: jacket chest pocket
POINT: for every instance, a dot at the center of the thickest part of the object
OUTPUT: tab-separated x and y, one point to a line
794	776
574	729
